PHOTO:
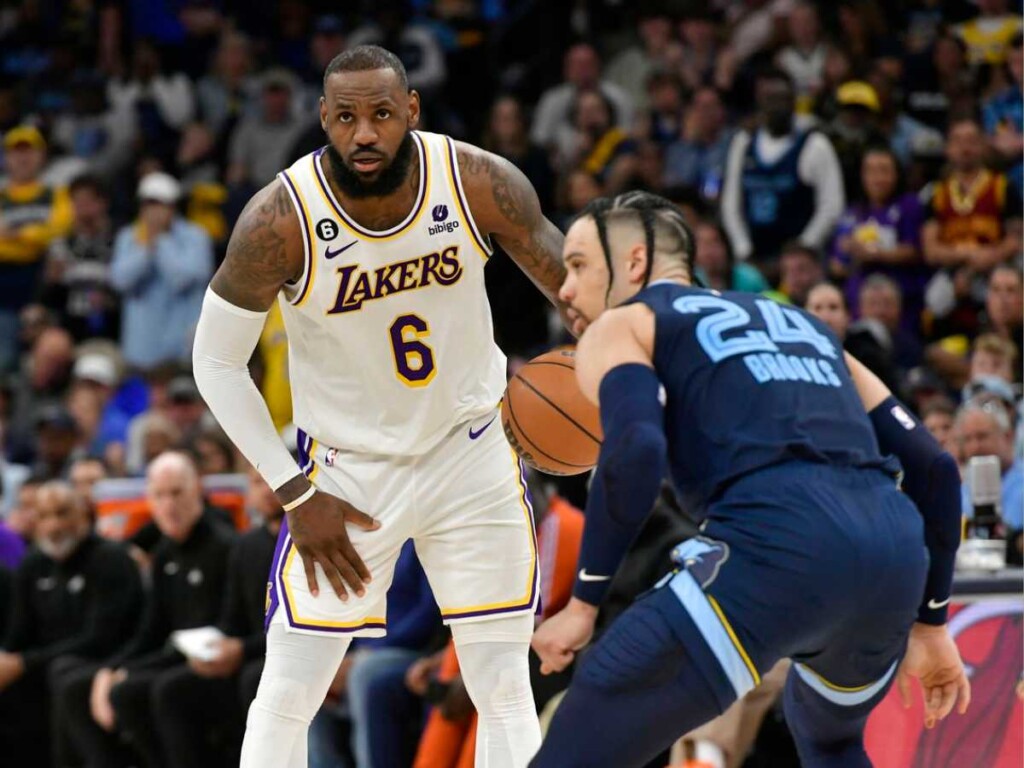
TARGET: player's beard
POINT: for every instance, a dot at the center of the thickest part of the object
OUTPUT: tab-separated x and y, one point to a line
59	548
391	177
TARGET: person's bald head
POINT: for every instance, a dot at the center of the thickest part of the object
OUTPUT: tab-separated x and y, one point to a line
174	494
62	520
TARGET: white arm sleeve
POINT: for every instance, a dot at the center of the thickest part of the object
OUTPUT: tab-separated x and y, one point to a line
819	166
733	217
225	339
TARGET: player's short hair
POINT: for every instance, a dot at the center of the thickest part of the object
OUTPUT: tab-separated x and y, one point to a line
91	182
831	286
771	73
942	405
796	248
665	229
879	281
364	58
995	345
990	408
64	492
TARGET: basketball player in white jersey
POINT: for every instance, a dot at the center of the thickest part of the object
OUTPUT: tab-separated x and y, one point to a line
375	248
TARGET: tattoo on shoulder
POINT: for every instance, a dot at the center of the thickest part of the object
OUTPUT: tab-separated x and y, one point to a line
258	261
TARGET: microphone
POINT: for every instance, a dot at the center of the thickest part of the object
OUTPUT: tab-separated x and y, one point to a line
984	479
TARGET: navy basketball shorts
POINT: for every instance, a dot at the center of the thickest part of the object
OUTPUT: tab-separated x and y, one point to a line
820	564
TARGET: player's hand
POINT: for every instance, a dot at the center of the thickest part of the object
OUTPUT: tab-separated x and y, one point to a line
12	667
422	671
227	661
933	659
317	528
557	639
99	697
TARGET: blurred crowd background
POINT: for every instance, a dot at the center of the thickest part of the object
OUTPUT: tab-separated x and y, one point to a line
857	158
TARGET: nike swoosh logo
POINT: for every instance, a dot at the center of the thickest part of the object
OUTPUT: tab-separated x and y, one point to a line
935	605
331	254
584	576
474	435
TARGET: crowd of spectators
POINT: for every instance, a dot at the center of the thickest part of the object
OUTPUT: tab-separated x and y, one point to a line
860	159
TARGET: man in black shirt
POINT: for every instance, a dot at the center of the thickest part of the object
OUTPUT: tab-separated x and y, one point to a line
200	709
77	279
104	708
74	594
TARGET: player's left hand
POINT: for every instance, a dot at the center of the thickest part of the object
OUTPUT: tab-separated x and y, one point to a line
12	666
932	657
557	639
230	653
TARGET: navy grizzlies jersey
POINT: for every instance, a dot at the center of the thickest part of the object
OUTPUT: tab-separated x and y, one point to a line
750	383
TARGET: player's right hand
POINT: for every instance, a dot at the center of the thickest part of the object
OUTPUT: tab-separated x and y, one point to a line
317	528
557	640
932	657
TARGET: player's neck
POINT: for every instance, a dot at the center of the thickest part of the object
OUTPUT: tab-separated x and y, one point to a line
669	274
383	212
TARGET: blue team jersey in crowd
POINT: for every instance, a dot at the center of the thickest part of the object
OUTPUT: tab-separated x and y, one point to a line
749	384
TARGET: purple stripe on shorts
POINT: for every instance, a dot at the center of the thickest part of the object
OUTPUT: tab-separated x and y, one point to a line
274	601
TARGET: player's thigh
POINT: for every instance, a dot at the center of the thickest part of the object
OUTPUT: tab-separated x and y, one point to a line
647	681
383	494
476	540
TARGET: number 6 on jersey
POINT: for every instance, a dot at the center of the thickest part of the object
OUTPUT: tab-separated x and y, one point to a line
414	360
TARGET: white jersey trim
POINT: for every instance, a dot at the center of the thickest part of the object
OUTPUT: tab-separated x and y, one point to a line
358	229
300	289
463	201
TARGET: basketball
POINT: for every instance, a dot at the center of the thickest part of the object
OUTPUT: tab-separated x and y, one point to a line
546	418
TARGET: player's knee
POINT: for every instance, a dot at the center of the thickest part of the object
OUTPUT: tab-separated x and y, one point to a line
509	694
168	692
286	698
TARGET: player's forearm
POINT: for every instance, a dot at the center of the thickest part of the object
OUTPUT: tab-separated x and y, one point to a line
225	339
629	473
932	480
937	253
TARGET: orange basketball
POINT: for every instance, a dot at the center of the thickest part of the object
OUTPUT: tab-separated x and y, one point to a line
548	421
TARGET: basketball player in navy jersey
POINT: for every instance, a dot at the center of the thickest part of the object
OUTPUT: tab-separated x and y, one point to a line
808	549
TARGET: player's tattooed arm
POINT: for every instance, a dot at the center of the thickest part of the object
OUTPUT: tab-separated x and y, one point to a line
505	206
265	251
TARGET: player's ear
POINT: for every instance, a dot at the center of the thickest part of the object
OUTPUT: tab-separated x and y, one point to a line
323	113
414	109
636	263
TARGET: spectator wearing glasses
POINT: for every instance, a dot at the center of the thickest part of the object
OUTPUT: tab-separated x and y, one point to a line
983	429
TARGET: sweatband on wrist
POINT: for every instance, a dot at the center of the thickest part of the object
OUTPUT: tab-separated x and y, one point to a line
225	339
300	500
932	480
629	472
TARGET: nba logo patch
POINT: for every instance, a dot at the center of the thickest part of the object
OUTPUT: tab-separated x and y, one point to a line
902	417
439	212
330	456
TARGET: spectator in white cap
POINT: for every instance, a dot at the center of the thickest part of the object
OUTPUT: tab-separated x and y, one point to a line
162	265
98	373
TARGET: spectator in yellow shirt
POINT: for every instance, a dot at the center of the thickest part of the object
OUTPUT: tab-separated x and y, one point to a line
32	215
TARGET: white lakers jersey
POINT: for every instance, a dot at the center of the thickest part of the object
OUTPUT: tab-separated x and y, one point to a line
389	333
